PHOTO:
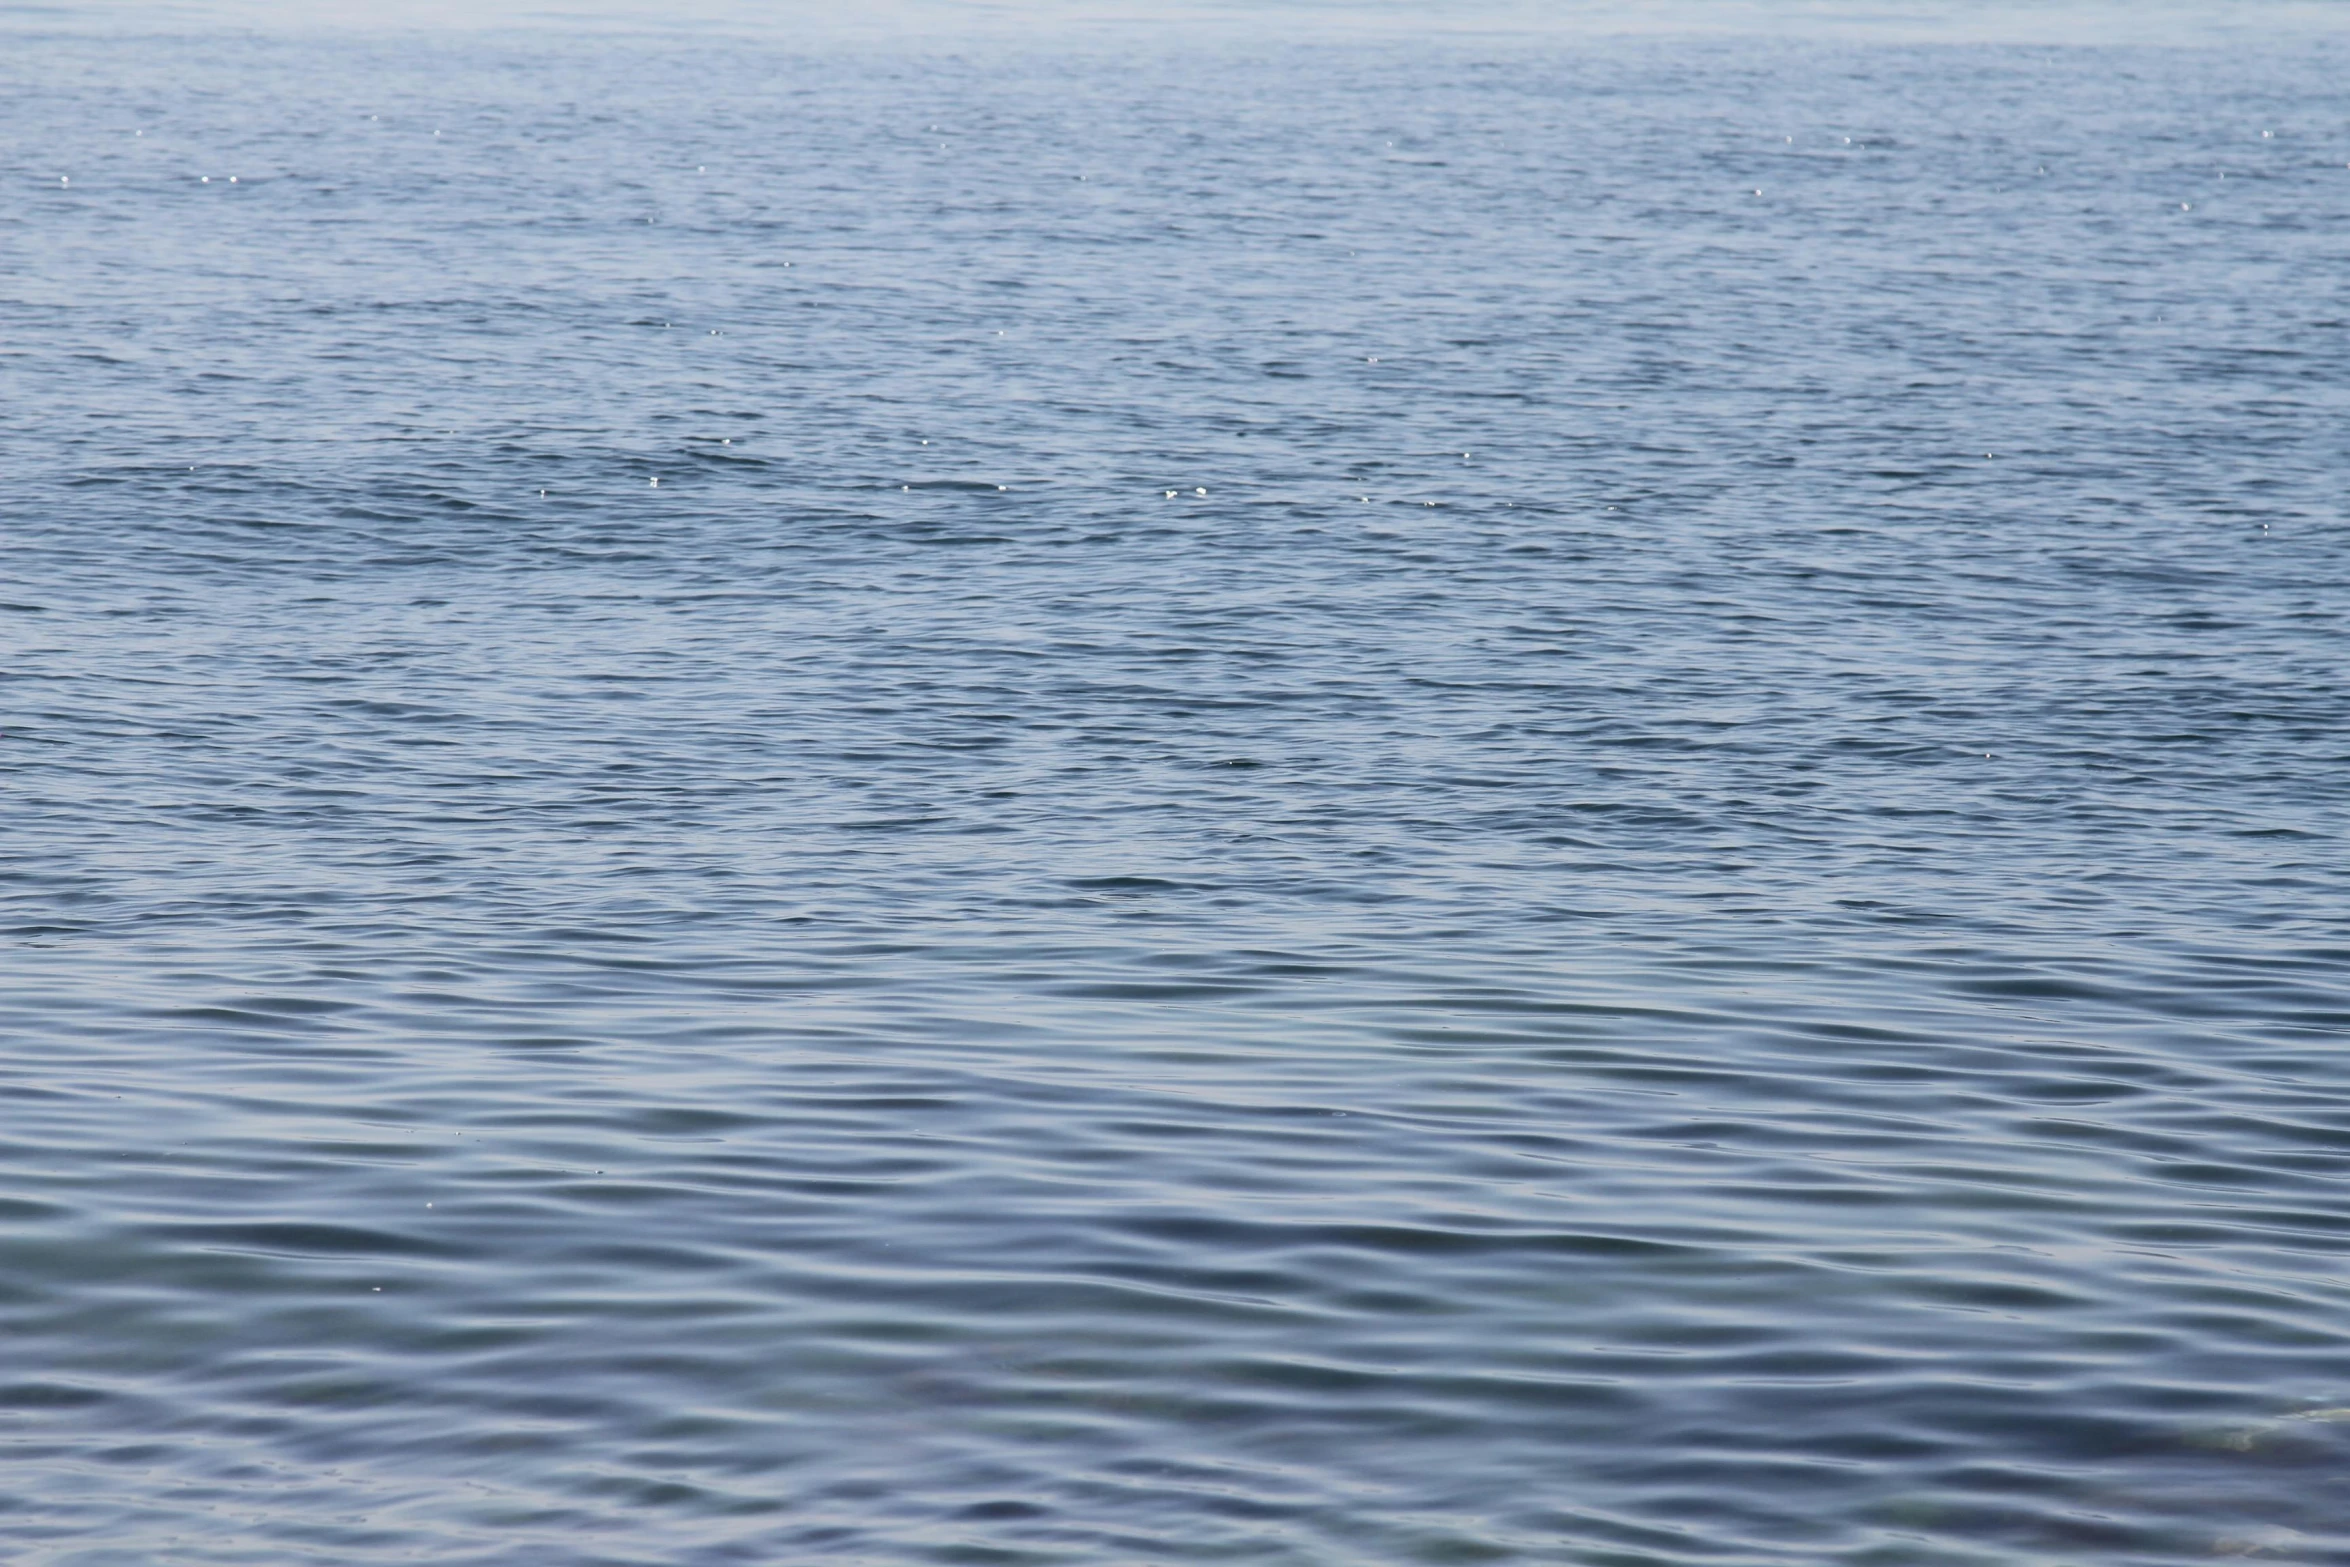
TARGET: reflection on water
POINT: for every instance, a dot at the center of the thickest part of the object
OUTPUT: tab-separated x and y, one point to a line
1560	800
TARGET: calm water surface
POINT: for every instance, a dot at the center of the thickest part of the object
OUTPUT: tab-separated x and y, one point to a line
1173	798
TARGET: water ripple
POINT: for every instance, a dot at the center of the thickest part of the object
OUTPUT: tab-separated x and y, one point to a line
1208	800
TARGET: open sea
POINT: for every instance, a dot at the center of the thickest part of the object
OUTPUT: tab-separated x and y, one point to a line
1299	787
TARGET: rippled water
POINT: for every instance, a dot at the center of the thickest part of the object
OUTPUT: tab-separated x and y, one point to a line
1173	797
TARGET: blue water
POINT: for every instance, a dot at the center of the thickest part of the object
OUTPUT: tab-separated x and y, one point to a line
1154	794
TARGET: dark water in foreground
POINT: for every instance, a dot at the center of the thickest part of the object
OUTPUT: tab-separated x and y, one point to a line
1410	802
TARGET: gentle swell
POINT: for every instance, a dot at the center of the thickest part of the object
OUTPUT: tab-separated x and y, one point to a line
1568	802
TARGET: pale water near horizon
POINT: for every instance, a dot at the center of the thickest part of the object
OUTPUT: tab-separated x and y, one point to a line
1173	798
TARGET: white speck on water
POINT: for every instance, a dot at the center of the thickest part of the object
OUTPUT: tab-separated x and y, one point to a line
656	483
1199	492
